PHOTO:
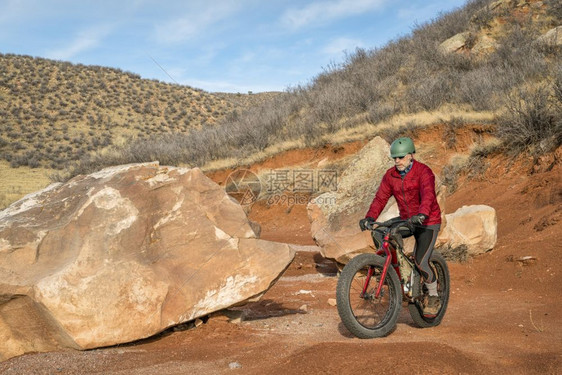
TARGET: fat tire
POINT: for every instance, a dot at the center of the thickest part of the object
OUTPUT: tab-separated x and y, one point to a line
343	292
439	264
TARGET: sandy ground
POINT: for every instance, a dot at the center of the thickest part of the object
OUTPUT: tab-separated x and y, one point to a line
504	315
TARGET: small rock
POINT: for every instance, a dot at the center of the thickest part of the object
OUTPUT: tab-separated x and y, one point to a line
323	162
552	38
303	308
332	302
526	260
198	322
235	316
234	365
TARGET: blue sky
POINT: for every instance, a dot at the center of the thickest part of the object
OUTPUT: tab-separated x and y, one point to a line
214	45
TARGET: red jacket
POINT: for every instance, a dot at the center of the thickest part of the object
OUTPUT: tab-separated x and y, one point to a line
415	194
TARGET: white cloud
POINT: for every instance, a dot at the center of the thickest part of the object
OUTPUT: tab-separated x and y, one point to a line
339	45
11	9
17	12
321	12
197	21
85	40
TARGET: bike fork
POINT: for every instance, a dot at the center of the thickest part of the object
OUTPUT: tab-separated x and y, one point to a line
387	262
383	275
367	281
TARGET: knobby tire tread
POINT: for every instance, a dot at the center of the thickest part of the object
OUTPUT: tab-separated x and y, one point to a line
416	313
343	292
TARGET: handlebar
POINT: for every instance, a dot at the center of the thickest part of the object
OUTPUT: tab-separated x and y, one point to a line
391	225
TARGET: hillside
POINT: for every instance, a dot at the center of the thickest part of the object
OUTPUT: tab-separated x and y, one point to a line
54	112
485	62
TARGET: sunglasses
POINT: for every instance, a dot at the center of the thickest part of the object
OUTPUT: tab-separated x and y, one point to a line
399	157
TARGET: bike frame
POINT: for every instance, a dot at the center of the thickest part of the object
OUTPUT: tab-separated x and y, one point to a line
390	258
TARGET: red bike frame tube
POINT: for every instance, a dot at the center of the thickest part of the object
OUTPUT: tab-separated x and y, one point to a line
387	261
367	281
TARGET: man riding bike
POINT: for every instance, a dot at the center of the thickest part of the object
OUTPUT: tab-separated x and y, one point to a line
413	186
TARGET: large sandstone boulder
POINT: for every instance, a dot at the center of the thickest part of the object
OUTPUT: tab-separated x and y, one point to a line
334	216
477	44
123	254
473	227
455	43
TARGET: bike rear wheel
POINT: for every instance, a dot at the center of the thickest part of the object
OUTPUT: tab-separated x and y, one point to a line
441	270
365	315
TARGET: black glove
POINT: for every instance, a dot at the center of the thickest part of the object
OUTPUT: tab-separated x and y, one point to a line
418	219
366	223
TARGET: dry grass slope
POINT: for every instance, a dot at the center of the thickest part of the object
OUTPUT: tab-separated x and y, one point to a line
498	62
500	73
54	112
17	182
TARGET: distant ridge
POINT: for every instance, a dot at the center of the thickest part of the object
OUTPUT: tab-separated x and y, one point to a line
53	112
487	59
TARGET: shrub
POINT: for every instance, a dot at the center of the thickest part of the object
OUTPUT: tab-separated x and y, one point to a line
532	121
33	162
450	132
429	93
483	17
554	8
478	88
557	85
450	176
407	130
454	254
381	111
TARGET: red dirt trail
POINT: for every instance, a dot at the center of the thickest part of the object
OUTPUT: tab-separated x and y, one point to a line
504	315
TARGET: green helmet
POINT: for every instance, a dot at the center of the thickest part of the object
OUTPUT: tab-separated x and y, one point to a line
402	147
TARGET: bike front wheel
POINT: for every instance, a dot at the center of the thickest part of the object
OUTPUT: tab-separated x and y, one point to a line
362	313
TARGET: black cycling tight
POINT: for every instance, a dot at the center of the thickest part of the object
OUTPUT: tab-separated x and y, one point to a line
425	240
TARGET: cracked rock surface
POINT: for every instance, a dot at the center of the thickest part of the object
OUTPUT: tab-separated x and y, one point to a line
123	254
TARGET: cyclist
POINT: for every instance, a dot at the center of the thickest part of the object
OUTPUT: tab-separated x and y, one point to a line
413	186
